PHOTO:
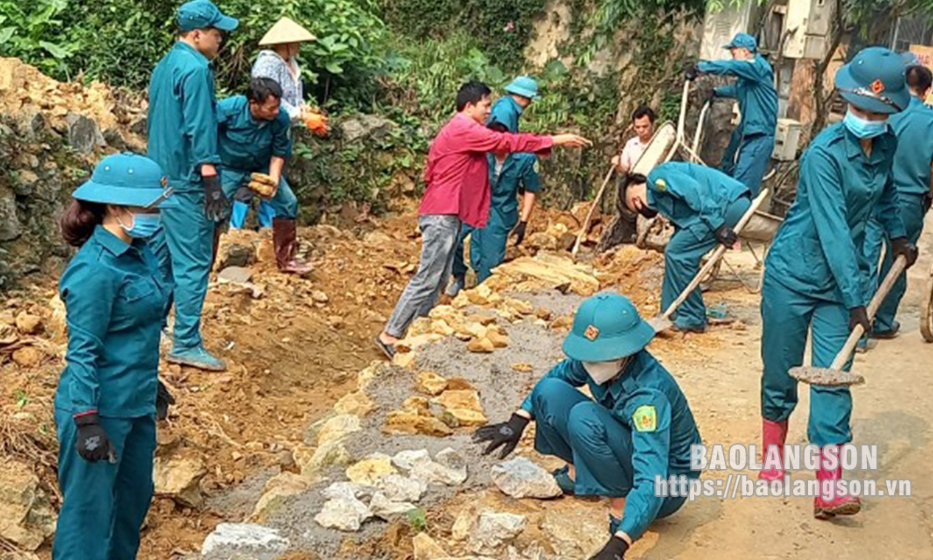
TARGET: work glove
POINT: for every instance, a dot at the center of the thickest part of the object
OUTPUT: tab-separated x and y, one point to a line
726	235
859	316
901	246
691	73
505	435
614	550
519	232
93	443
163	400
216	205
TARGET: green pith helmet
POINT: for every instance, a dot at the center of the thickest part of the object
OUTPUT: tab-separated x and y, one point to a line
607	327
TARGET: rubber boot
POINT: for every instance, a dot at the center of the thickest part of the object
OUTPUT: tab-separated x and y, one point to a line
238	214
838	505
772	433
284	236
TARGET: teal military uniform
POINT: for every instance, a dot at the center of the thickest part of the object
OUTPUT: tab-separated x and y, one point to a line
753	138
816	272
638	426
182	137
246	146
914	130
697	200
487	245
489	252
115	298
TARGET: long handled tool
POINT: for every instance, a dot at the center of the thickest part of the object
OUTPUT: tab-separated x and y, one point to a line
589	215
663	321
834	376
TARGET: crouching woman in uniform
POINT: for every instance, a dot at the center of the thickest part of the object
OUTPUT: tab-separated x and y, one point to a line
106	401
636	427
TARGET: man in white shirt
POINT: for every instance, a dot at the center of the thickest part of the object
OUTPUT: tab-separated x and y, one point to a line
643	125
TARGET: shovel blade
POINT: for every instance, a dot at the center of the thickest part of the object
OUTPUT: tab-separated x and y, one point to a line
826	377
660	323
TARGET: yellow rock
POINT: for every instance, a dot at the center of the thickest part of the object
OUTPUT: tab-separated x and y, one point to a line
464	398
431	383
371	372
409	343
481	346
337	428
461	301
520	306
466	417
426	548
368	471
411	423
522	367
484	320
418	405
564	322
421	325
355	403
404	359
442	328
278	487
498	339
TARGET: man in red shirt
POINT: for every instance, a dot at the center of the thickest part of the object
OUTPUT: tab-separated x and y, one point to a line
458	192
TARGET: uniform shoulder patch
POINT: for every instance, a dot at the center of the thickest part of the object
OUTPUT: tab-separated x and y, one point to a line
645	418
536	166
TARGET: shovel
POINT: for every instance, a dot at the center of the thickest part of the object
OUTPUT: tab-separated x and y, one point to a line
834	376
663	322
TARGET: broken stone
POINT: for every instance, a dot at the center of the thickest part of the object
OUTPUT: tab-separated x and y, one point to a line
28	324
426	548
330	454
406	460
384	508
483	320
370	470
343	514
26	516
319	296
404	360
179	478
464	523
498	339
430	383
448	467
397	488
481	346
496	529
520	306
459	384
27	357
464	405
338	428
406	422
521	478
442	328
522	367
243	540
564	322
234	275
418	405
278	487
346	491
356	404
573	534
234	254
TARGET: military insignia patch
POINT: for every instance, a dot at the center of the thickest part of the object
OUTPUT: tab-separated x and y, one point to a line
645	419
591	332
536	167
661	184
877	86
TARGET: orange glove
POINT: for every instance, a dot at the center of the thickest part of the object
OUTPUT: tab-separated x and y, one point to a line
316	122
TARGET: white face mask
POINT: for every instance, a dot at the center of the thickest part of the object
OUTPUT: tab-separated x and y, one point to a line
601	372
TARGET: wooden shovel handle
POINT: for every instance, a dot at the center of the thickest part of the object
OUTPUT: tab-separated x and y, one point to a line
900	263
589	215
714	258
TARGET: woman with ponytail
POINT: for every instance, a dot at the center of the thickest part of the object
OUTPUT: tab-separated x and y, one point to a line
109	391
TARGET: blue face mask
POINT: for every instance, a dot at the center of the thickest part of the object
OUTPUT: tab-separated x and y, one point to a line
864	128
144	226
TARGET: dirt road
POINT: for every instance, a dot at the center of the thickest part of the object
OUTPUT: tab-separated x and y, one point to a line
892	410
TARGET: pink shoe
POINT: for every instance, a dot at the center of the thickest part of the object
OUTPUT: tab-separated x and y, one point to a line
773	433
838	505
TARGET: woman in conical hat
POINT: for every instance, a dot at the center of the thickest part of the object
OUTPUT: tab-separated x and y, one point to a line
278	62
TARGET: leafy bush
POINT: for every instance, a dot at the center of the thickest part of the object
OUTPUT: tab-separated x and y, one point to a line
32	31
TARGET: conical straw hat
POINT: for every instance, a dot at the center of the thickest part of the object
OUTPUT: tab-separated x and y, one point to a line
286	31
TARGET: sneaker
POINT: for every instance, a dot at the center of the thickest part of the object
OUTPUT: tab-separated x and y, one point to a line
456	285
196	358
